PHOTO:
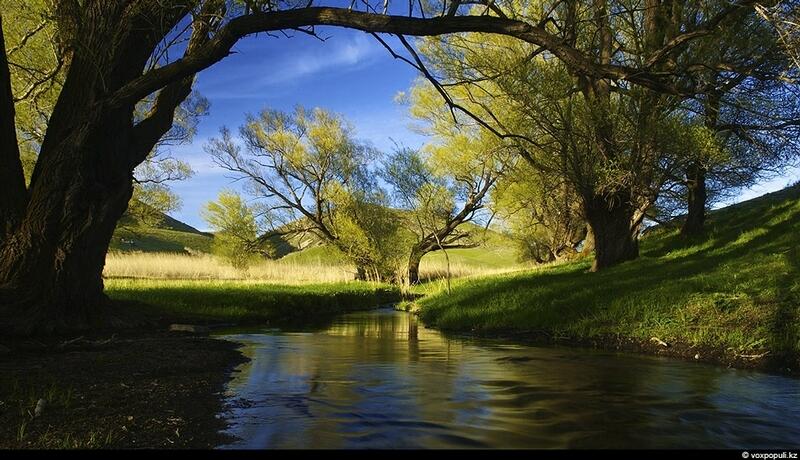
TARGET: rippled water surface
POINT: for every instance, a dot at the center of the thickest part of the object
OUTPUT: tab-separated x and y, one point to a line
379	380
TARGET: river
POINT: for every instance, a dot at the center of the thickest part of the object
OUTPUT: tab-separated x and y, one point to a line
379	379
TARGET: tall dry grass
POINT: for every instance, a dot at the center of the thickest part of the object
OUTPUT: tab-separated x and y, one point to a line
177	266
207	267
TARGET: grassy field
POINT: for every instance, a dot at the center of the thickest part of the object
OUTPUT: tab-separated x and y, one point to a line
736	289
319	264
175	266
297	268
247	301
170	272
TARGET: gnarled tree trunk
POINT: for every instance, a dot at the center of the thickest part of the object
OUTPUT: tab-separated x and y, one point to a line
52	256
614	240
51	264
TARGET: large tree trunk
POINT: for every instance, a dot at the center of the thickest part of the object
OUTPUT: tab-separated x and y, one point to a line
51	261
696	201
614	239
51	276
51	265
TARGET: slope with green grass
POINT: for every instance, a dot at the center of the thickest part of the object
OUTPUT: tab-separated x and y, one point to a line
732	295
495	251
150	239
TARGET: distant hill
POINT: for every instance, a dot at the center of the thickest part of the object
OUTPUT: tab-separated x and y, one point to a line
172	235
170	223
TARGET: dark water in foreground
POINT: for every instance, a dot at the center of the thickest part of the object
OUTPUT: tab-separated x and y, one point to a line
370	381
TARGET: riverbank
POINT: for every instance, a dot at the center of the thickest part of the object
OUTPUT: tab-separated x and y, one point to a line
146	386
128	389
730	296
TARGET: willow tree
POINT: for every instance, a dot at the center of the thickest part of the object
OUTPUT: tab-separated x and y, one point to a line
448	182
310	175
56	230
615	142
611	146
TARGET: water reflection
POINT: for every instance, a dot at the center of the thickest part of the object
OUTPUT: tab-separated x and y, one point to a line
380	379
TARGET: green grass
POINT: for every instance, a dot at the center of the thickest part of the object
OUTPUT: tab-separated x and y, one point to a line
148	239
242	301
317	255
737	288
483	257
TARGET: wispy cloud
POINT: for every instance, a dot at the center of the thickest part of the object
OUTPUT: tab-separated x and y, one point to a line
267	69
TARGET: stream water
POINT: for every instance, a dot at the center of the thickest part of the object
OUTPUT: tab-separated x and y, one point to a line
379	379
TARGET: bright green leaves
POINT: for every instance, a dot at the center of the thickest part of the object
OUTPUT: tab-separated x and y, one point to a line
235	228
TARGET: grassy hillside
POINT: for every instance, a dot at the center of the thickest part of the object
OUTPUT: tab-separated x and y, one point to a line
734	291
148	239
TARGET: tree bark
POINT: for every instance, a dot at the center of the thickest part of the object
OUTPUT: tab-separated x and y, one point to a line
51	261
696	201
614	239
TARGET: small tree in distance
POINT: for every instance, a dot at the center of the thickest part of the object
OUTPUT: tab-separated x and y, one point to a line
235	228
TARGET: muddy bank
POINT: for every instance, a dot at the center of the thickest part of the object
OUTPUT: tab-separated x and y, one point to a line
137	388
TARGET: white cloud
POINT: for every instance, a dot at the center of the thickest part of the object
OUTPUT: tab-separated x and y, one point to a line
251	79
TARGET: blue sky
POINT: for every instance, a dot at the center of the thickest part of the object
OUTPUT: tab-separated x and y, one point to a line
350	73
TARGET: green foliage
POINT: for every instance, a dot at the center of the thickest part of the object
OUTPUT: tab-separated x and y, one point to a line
372	236
542	213
235	228
311	176
37	71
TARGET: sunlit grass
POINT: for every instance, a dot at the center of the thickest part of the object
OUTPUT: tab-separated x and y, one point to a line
249	300
175	266
315	267
737	288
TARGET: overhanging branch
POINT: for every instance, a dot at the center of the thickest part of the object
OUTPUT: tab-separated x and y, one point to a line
220	46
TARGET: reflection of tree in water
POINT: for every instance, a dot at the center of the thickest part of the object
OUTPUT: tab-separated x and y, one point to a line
380	379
